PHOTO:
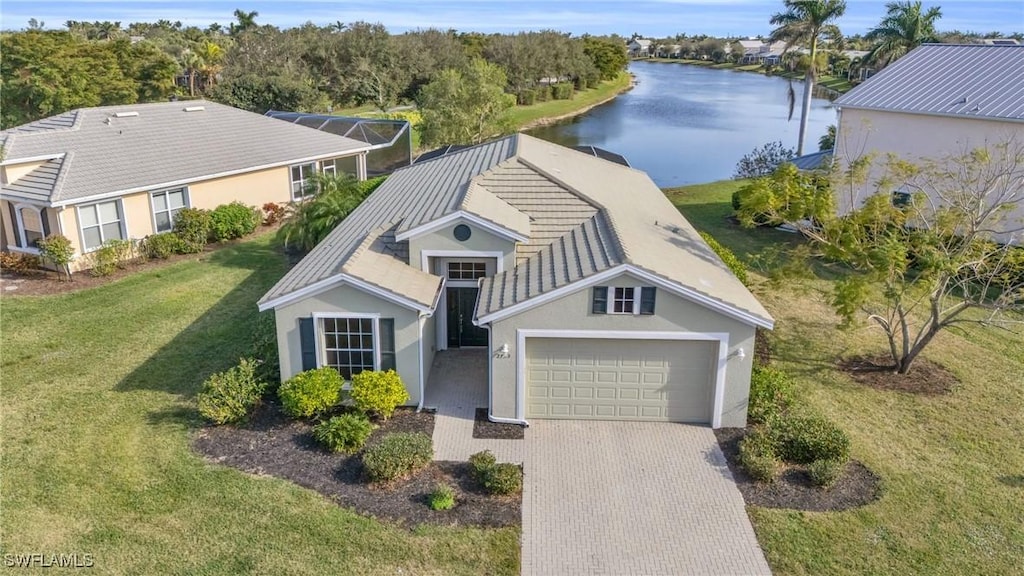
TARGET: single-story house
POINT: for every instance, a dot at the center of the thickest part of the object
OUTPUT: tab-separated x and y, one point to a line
639	47
590	294
669	50
123	172
938	100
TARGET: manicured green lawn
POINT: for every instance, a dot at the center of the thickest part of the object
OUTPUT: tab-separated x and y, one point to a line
98	411
523	115
952	466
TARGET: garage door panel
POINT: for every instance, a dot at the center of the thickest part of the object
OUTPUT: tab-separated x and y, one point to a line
620	379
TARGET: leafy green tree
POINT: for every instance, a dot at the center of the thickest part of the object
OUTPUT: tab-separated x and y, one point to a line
806	22
465	107
828	139
309	221
906	26
608	55
259	93
916	266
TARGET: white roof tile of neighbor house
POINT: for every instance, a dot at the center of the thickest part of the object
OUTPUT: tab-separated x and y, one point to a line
112	150
613	215
975	81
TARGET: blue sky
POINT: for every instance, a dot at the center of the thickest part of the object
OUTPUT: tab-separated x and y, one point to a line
648	17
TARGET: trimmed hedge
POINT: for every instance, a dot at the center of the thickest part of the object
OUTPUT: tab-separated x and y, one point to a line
397	455
311	392
757	455
378	392
161	246
231	395
234	220
771	394
192	226
824	473
804	439
346	433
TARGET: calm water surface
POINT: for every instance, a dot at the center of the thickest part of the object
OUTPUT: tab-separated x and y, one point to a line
687	124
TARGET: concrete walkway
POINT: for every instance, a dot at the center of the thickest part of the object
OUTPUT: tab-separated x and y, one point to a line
456	388
622	498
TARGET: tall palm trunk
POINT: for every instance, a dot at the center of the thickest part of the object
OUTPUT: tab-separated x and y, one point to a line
805	107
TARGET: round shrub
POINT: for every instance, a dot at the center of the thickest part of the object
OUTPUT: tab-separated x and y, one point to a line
311	392
504	478
396	455
442	498
161	246
346	433
231	395
192	226
378	392
234	220
481	464
824	473
771	394
804	439
757	456
273	213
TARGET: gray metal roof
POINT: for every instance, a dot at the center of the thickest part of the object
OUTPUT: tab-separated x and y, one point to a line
970	81
119	149
581	223
812	161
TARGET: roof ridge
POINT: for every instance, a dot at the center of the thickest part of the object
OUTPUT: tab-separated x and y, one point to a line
371	236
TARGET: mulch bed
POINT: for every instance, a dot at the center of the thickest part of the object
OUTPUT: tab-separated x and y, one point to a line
274	445
487	430
793	489
925	377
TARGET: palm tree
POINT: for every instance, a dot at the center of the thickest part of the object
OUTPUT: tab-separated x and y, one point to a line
246	20
191	62
806	22
309	221
904	28
211	55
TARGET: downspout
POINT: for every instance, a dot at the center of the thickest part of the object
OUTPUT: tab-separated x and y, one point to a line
423	374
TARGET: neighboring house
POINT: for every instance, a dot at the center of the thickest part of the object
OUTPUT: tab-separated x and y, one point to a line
669	51
751	49
821	160
938	100
120	172
639	48
591	296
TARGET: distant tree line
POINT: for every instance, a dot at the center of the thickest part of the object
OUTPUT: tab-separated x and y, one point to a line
259	67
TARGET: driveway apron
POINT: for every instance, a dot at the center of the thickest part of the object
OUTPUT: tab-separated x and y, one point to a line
622	498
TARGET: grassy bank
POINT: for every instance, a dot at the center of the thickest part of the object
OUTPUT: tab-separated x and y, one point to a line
99	407
526	116
951	466
838	83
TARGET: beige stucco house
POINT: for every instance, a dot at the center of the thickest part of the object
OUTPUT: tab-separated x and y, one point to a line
938	100
591	295
120	172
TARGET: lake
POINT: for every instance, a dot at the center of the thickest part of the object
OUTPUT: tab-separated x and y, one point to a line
685	124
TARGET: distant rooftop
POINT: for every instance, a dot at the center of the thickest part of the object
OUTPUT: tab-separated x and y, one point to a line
977	80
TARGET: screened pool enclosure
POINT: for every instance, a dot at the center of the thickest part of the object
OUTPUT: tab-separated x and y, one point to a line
391	140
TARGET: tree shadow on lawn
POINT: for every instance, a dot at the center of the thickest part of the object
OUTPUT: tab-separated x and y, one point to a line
215	340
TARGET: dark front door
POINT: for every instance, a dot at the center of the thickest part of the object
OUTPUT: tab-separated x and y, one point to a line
461	331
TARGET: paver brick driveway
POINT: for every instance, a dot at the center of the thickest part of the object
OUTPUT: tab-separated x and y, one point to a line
622	498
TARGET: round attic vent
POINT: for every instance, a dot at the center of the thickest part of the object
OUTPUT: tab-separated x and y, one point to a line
462	232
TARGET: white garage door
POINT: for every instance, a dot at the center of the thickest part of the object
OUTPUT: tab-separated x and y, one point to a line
598	379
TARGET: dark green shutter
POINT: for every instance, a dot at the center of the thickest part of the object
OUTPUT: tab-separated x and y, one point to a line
307	341
387	344
600	300
14	226
647	299
46	222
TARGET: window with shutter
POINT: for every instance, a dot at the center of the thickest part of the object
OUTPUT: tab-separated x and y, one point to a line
647	294
599	304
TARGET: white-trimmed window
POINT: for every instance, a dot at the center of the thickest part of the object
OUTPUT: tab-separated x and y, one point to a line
101	222
329	166
301	174
29	225
623	300
166	205
466	270
351	345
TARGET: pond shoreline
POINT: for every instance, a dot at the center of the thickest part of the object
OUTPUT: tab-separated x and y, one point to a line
548	120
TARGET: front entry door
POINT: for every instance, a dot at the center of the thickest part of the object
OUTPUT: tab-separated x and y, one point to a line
461	331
